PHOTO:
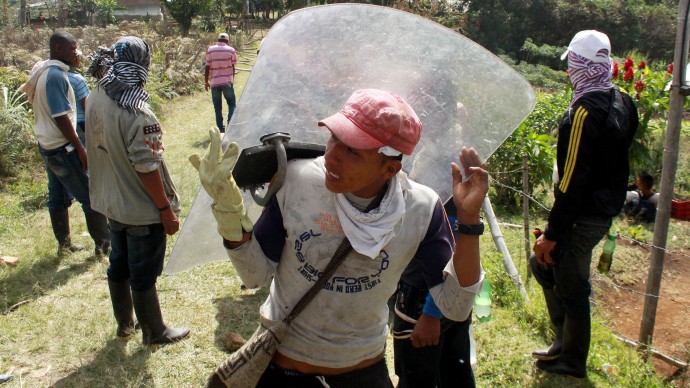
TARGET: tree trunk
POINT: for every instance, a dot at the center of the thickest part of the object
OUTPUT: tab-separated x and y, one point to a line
23	15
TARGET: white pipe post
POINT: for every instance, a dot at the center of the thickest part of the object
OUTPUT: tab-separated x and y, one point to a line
525	212
501	245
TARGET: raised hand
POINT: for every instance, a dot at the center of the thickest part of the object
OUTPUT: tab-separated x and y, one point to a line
215	170
468	194
215	174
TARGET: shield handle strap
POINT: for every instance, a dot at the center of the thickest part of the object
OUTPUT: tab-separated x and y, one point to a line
277	140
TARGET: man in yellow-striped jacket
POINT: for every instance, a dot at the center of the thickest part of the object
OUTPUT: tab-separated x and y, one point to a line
592	157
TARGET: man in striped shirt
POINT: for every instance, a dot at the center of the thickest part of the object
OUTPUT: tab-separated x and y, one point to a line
592	156
220	76
81	91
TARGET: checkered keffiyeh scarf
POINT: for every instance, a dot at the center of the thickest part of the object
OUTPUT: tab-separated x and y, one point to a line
101	61
587	76
123	70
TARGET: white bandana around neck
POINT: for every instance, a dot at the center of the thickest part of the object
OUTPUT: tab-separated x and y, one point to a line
370	232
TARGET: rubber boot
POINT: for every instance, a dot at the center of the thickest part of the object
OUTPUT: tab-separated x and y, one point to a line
59	219
97	224
573	359
214	381
557	316
154	331
123	307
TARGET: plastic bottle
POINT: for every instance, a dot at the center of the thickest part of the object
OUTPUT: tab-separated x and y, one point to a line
482	302
607	254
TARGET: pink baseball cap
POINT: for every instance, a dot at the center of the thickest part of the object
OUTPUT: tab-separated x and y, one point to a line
374	118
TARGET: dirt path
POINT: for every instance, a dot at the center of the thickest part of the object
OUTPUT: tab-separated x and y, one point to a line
624	306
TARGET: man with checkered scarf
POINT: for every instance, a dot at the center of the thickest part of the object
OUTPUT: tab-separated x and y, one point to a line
130	183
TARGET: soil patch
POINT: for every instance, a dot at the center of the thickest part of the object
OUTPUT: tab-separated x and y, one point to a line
623	302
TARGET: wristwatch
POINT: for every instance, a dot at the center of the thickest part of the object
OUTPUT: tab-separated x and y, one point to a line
473	230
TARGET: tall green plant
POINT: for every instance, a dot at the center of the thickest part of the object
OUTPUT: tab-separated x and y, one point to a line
15	132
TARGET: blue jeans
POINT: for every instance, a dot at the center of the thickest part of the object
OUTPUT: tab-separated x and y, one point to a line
568	278
66	179
137	254
228	92
444	365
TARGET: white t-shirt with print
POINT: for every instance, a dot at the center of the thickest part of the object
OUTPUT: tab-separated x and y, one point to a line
346	323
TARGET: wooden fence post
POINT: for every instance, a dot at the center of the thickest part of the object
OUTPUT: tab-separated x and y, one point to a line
668	174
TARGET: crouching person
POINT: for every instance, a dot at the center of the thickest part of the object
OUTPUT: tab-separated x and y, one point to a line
338	339
131	185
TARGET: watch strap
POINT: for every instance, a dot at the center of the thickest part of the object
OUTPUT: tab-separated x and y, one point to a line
470	229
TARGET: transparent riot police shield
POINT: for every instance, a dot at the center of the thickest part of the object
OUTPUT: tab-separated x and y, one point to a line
314	58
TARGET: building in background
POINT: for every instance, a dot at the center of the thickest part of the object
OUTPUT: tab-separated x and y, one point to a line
138	9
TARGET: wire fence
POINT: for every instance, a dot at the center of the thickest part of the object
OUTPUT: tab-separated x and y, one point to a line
605	279
535	201
518	230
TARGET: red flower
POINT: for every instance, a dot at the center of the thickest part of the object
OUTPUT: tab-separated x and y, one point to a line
628	64
616	71
639	86
637	96
642	65
629	75
669	71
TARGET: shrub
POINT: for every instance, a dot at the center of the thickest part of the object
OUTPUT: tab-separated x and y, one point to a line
648	85
541	76
534	138
11	77
545	54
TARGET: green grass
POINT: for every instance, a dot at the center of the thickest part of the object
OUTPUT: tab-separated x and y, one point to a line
64	333
64	336
517	327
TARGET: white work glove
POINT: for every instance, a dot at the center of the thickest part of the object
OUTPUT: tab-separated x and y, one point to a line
215	173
